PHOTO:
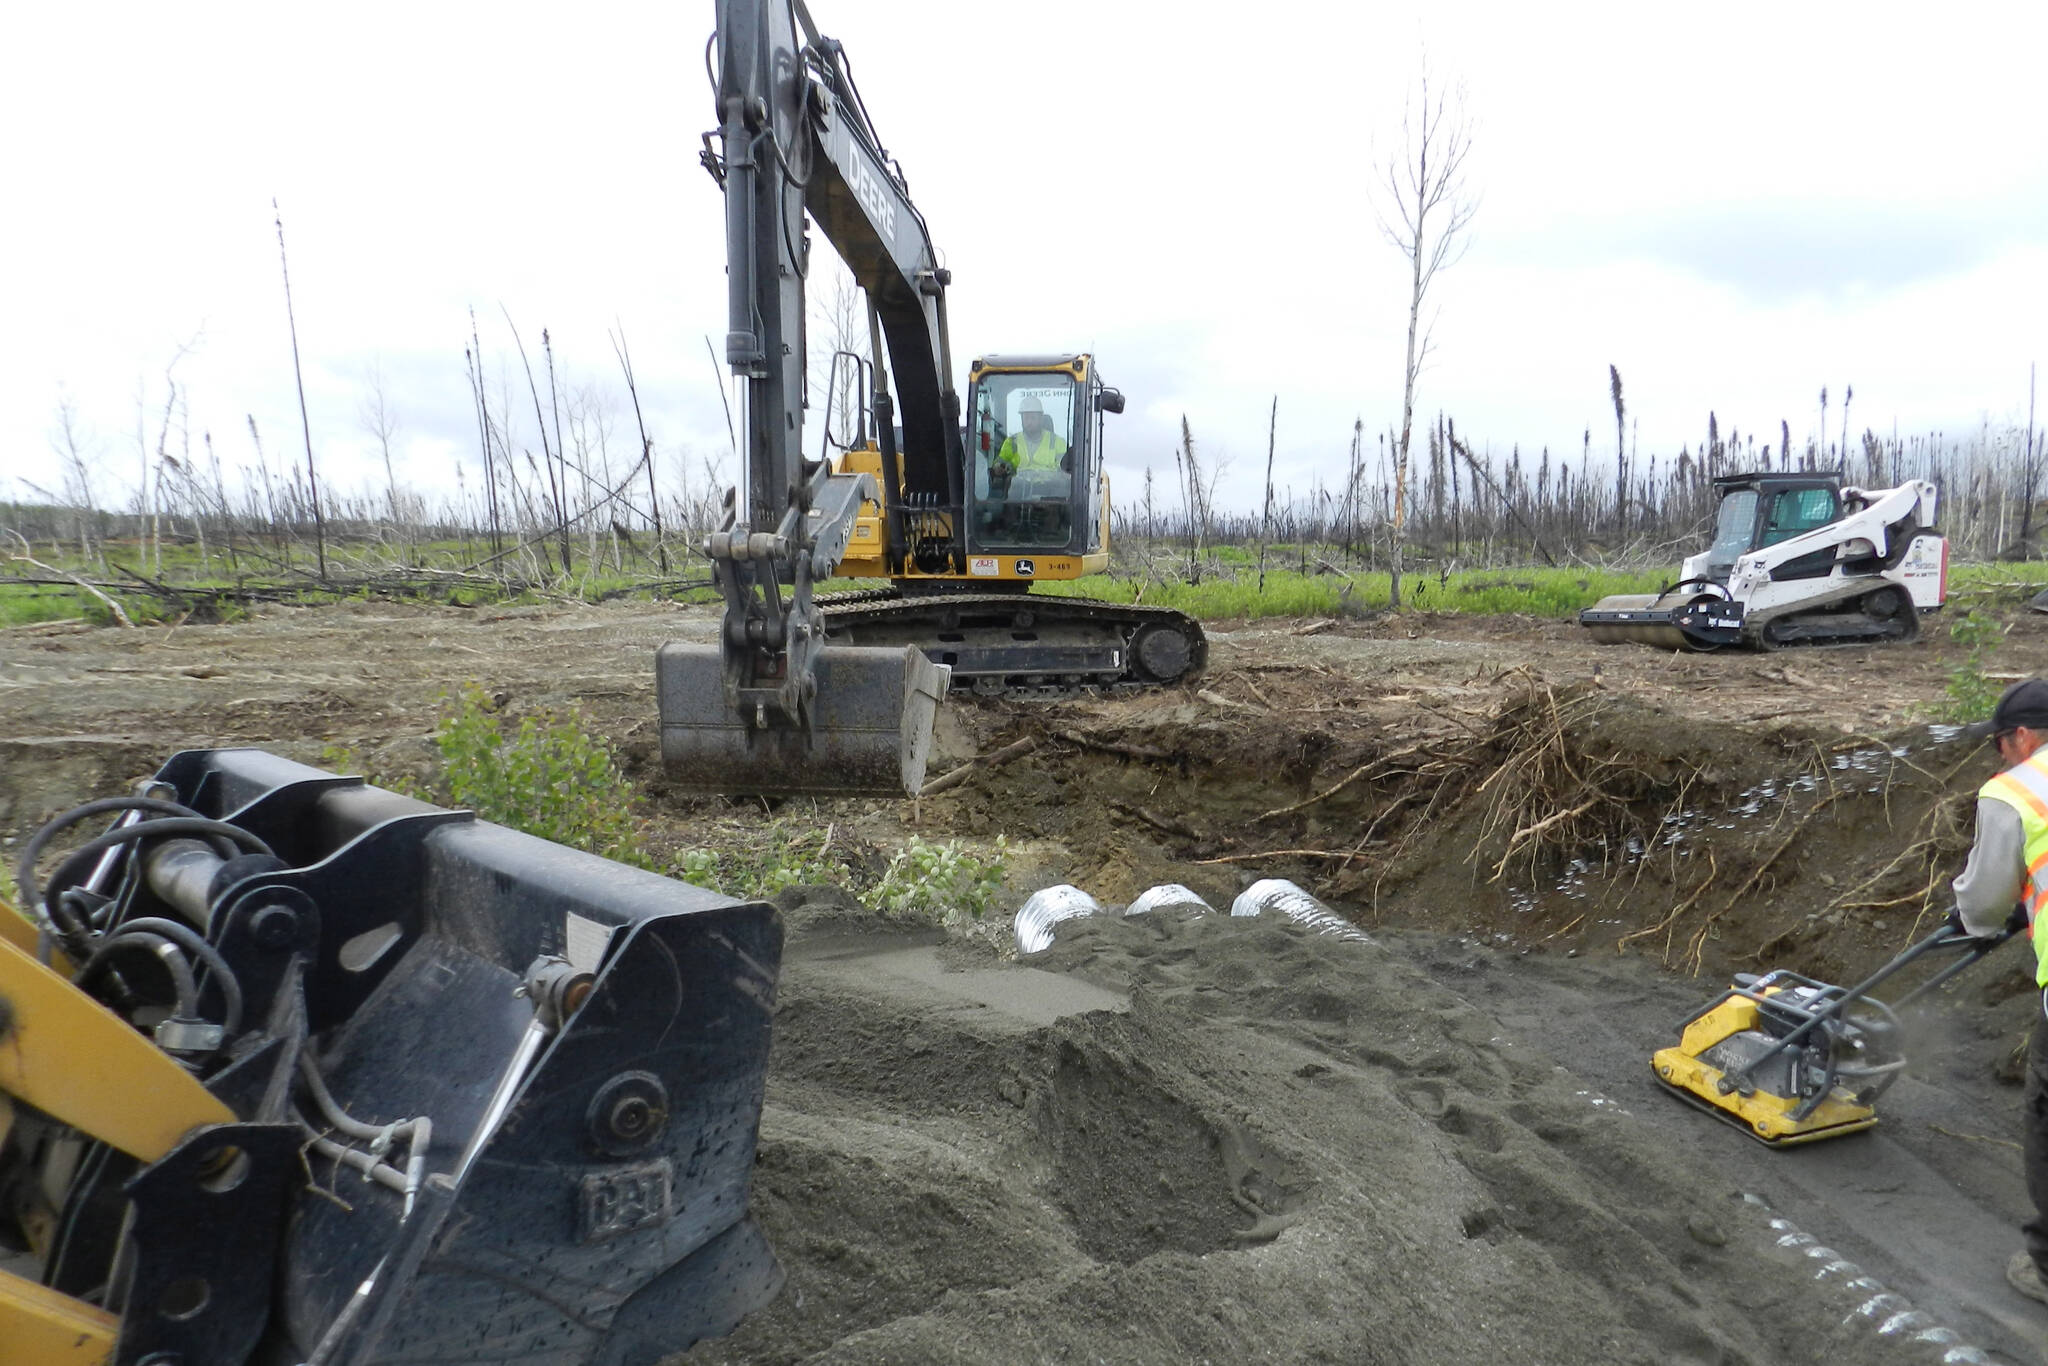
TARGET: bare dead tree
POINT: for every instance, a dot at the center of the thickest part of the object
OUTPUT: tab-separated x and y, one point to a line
1191	493
646	445
1820	455
547	347
381	425
843	319
1620	458
78	489
298	376
2027	495
557	493
475	360
1842	452
1424	210
1266	513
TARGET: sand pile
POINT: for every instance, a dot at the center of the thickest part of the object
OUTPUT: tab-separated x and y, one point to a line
1286	1148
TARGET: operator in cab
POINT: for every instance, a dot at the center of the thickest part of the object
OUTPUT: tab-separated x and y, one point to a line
1037	447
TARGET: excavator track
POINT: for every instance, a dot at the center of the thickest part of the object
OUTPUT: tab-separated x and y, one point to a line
1026	645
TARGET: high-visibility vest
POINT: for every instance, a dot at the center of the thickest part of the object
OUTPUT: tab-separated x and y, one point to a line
2024	788
1017	451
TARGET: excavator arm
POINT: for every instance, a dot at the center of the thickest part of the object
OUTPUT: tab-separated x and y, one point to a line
773	709
862	205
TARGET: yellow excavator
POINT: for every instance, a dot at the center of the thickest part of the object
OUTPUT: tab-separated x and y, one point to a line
962	512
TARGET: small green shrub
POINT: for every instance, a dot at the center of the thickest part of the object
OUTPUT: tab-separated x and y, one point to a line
1970	695
550	777
940	881
784	858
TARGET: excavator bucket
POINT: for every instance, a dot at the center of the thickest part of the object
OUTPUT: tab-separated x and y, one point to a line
870	735
346	1078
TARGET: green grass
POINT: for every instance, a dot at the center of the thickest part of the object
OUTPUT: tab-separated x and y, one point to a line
1290	593
1228	588
349	562
26	604
1990	578
1225	594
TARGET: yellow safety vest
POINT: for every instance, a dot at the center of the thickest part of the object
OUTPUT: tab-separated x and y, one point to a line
2024	788
1017	452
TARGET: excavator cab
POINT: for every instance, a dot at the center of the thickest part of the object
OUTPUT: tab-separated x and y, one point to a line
1034	444
1033	449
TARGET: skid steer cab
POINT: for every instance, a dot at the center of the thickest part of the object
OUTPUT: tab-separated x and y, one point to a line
1796	559
297	1070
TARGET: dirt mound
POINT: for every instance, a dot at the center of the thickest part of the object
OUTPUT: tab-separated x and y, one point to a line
1288	1148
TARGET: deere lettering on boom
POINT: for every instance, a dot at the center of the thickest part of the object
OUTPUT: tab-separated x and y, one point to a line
960	509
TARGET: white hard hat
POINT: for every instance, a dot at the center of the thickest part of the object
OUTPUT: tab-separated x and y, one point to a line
1031	405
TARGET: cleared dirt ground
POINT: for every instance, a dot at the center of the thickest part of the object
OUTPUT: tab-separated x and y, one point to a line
1232	1140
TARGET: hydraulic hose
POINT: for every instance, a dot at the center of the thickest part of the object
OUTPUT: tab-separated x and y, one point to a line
189	939
185	983
25	869
74	863
418	1133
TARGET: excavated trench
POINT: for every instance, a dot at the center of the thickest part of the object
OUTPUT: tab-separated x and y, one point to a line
1561	819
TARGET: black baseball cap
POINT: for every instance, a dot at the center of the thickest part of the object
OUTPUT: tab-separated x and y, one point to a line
2025	703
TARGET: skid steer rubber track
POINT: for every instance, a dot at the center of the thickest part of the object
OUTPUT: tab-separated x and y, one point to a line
1026	645
1823	628
1685	619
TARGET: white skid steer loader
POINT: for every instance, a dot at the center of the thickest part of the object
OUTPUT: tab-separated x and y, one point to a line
1797	559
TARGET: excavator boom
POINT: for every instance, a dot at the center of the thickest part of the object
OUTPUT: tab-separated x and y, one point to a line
763	711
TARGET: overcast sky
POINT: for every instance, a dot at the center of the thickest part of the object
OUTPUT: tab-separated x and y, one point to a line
1734	205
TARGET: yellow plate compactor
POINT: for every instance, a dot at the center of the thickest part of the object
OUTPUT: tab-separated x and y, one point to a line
1792	1060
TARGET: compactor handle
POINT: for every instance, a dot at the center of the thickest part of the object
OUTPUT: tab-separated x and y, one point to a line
1950	936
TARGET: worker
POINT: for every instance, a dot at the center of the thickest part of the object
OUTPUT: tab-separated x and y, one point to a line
2005	884
1037	447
